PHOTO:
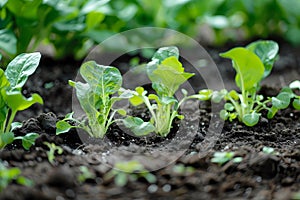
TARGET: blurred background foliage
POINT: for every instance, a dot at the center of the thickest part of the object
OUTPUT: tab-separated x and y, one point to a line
72	27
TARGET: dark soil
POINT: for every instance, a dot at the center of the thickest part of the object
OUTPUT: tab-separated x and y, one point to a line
191	144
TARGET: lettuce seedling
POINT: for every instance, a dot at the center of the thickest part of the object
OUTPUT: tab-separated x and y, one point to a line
96	100
12	100
223	157
166	74
252	64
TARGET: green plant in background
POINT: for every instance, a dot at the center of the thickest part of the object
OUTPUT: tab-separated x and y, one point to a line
269	150
167	75
7	175
295	85
129	171
223	157
12	100
252	64
96	100
53	149
84	174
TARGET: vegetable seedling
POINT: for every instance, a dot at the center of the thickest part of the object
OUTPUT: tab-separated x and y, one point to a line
8	175
129	171
12	100
252	64
295	85
53	149
223	157
96	100
167	75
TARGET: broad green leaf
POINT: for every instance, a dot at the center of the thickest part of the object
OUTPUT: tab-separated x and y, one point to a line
24	9
8	41
217	96
224	114
16	125
229	106
104	80
138	126
122	112
7	138
165	52
281	101
267	51
3	80
251	119
168	76
295	85
137	99
20	68
17	102
296	104
28	140
62	127
249	68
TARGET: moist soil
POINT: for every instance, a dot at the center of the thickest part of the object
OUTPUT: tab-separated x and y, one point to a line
189	147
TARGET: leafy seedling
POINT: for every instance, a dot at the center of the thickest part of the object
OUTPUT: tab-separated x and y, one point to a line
252	64
8	175
167	75
84	174
295	85
129	171
269	150
53	149
12	100
223	157
96	100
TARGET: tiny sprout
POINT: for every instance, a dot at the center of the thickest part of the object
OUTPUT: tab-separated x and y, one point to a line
223	157
52	150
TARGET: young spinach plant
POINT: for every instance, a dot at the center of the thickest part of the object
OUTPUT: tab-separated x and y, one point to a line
167	75
95	97
252	64
12	100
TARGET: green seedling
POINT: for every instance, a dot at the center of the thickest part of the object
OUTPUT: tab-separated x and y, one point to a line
84	174
53	149
269	150
9	175
223	157
182	169
295	85
129	171
167	75
252	64
12	100
95	97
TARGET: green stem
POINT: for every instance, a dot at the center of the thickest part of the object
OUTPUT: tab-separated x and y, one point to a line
11	118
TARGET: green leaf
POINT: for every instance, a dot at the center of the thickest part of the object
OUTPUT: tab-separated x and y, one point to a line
229	106
248	66
224	114
121	179
104	80
295	85
138	126
62	127
28	140
251	119
137	99
296	104
20	68
165	52
16	125
168	76
17	102
8	41
7	138
267	51
281	101
217	96
272	112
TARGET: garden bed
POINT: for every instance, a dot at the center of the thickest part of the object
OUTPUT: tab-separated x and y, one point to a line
259	175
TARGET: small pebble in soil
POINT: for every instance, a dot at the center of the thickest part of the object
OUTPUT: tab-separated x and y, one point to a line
70	193
258	179
166	188
152	188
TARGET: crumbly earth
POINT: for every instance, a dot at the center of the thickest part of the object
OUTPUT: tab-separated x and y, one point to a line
258	176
